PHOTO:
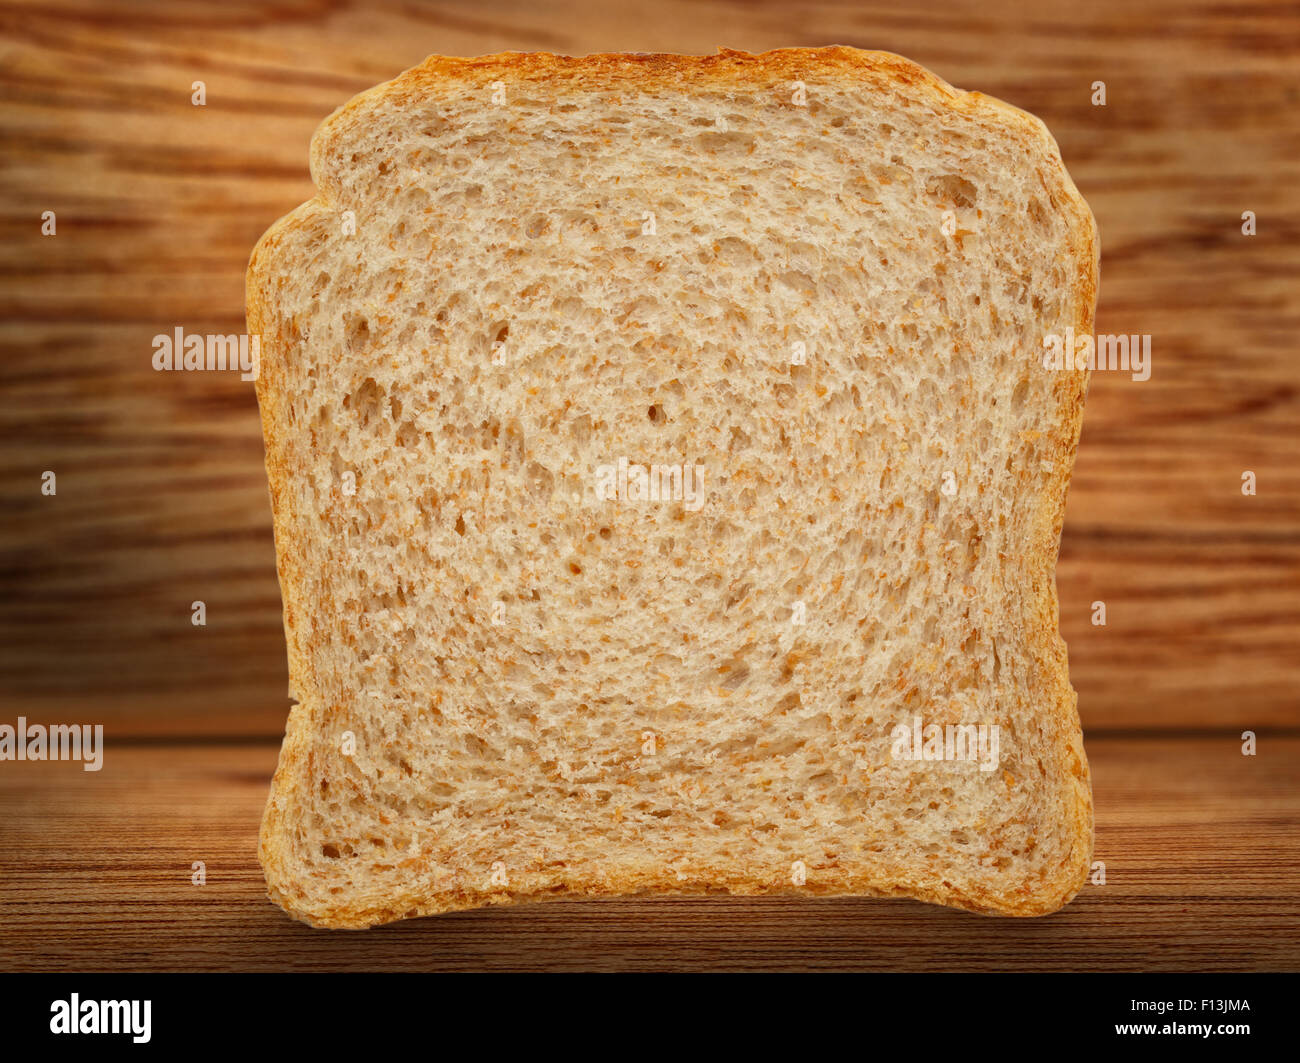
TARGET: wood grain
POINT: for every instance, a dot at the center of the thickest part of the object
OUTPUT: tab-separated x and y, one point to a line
1200	844
162	498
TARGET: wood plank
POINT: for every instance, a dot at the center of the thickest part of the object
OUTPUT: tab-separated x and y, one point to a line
162	497
1200	843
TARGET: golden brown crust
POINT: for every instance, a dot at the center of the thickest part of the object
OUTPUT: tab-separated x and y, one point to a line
725	69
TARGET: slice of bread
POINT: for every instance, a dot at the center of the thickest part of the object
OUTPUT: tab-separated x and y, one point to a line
668	484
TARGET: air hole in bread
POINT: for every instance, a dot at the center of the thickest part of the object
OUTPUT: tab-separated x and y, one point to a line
356	331
734	141
953	188
737	676
407	435
366	402
799	282
1018	395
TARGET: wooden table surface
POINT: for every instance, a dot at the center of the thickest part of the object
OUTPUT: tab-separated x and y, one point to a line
1200	845
162	498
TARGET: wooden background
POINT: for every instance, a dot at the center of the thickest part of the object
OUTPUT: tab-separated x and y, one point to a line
162	498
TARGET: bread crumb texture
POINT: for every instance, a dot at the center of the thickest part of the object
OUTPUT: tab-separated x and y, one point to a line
821	278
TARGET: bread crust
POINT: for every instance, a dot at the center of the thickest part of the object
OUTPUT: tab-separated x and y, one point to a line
294	774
